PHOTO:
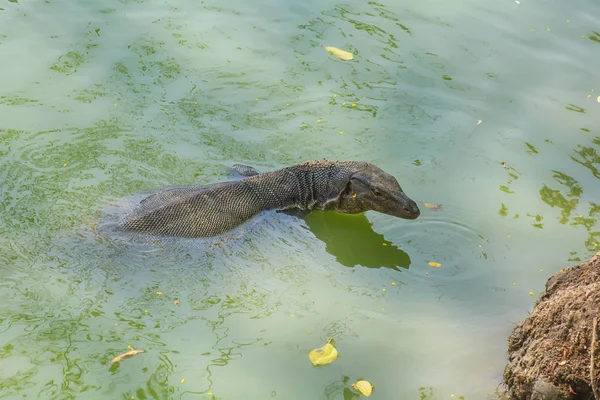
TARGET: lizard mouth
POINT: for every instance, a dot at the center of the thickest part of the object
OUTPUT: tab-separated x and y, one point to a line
409	209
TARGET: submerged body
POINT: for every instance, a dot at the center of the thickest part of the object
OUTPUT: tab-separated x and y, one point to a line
209	210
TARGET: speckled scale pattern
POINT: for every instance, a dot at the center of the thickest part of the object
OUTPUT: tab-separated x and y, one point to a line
209	210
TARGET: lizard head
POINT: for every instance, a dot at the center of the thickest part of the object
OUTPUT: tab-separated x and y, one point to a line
371	188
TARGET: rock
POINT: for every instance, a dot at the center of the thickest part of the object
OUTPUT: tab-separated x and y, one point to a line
549	352
543	390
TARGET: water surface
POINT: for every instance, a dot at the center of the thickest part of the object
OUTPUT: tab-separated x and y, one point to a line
101	101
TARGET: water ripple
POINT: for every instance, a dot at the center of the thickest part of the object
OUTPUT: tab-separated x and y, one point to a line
449	237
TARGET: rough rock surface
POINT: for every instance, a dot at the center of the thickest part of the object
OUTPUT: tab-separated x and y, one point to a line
550	352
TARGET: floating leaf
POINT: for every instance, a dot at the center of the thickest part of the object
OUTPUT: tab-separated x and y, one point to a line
344	55
130	353
436	207
598	99
506	189
434	264
323	355
365	387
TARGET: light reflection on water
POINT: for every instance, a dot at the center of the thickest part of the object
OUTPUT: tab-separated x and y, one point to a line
101	102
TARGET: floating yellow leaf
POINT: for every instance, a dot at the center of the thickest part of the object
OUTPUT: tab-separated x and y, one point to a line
598	99
344	55
183	380
434	264
126	355
365	387
159	293
436	207
176	302
323	355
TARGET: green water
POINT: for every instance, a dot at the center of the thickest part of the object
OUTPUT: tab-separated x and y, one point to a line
102	100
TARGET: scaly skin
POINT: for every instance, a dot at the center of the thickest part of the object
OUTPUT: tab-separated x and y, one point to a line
343	186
